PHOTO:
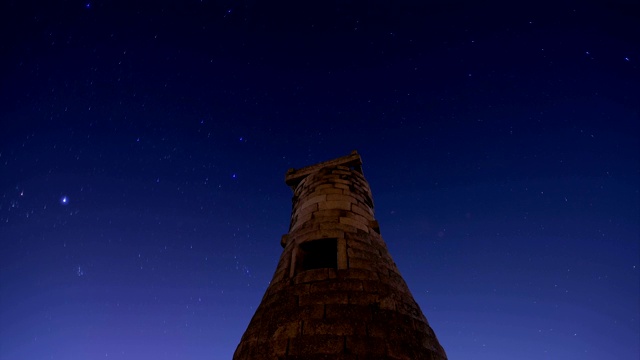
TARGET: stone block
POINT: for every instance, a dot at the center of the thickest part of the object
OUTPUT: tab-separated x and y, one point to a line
357	263
339	181
383	272
329	213
386	264
384	255
398	350
357	245
359	218
342	253
324	298
377	330
365	346
342	205
363	298
280	275
261	349
316	345
313	200
379	287
326	233
373	224
307	210
342	227
358	196
331	220
315	311
300	220
354	223
388	303
409	308
341	197
362	210
397	281
339	327
277	286
363	254
278	348
336	285
347	311
313	183
314	275
287	330
253	332
300	289
360	274
377	239
328	191
323	187
277	300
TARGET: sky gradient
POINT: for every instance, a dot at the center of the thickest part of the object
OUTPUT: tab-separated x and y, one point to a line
143	150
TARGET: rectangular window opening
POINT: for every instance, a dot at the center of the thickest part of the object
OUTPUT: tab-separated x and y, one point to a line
319	254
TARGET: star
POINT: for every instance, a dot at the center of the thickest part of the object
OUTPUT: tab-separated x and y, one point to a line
64	200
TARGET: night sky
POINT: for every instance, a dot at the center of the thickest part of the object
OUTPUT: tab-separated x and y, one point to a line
143	149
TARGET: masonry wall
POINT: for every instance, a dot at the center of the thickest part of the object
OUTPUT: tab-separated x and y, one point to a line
360	308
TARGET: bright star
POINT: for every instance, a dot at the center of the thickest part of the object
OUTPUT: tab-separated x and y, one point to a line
64	200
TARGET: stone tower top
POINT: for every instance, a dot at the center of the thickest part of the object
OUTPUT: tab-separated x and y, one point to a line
336	292
352	161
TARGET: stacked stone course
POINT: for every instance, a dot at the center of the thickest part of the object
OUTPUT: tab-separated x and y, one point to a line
361	308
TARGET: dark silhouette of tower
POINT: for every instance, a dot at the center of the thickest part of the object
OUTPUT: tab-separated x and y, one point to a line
336	292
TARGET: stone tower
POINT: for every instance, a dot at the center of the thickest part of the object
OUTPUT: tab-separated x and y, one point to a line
336	293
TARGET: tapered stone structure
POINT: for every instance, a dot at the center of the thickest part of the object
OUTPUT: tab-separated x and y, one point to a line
336	293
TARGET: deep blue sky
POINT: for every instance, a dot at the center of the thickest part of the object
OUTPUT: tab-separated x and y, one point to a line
501	145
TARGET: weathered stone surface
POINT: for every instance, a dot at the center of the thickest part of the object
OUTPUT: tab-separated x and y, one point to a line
336	292
366	346
316	344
